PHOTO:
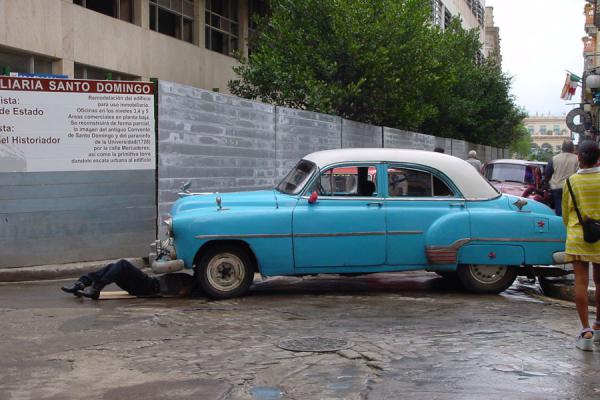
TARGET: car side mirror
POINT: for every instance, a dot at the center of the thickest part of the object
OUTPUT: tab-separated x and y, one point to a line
313	197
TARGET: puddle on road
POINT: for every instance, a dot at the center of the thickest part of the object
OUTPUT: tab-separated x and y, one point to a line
265	393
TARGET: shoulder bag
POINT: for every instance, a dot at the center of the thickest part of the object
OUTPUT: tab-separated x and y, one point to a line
591	227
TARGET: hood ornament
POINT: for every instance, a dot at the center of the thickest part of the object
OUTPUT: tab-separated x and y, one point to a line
520	204
218	200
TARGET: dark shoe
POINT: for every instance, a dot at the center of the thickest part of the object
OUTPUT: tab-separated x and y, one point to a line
73	288
91	292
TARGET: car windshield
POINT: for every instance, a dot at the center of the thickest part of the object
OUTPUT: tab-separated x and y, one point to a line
295	180
509	172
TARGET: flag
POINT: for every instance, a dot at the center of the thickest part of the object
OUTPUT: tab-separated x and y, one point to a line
570	86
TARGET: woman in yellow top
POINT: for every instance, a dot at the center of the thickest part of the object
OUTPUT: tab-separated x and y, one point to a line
586	188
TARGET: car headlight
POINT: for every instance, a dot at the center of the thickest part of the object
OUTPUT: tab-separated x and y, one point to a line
169	223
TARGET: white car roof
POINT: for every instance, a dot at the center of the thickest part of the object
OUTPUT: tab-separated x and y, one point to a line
469	181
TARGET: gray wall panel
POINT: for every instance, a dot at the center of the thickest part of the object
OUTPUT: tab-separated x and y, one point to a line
399	139
77	248
444	143
219	142
460	148
301	132
59	217
357	135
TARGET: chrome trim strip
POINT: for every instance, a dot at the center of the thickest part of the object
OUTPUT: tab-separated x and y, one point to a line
405	232
284	235
339	234
399	198
247	236
516	240
454	246
347	198
461	242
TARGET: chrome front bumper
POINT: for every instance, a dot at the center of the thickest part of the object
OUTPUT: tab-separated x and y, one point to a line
163	258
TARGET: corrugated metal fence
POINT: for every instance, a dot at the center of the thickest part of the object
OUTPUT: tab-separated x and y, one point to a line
222	143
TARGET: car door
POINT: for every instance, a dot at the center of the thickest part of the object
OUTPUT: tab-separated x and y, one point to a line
418	201
345	226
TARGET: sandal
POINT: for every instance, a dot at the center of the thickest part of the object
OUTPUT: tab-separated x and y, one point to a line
585	344
597	333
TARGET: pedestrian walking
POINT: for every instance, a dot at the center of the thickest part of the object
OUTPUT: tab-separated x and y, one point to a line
561	167
474	161
582	196
131	279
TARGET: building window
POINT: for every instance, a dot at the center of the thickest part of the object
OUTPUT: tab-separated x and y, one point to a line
24	63
257	9
436	12
447	18
86	72
530	130
477	10
556	130
174	18
222	29
543	130
121	9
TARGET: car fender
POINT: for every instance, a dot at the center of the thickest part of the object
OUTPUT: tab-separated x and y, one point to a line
445	236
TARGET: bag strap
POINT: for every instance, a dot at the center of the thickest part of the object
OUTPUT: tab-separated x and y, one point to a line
574	202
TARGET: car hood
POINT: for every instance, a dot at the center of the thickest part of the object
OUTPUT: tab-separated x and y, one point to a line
259	198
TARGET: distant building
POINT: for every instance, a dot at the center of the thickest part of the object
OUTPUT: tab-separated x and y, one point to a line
185	41
491	44
473	15
548	132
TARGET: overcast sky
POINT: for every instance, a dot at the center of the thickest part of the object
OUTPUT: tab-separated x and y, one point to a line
539	40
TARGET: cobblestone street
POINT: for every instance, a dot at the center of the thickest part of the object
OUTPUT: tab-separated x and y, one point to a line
412	336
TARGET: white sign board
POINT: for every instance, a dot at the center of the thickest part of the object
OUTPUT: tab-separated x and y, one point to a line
75	125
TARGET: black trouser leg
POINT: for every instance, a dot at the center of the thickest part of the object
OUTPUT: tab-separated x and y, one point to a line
126	275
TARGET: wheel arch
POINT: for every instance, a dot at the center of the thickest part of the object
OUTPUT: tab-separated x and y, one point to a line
232	242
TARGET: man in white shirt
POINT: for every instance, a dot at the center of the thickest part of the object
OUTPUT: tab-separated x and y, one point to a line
562	166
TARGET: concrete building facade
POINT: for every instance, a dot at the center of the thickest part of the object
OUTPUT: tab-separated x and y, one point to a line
548	132
184	41
187	41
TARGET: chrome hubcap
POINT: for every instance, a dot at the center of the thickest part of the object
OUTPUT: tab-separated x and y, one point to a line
225	272
488	274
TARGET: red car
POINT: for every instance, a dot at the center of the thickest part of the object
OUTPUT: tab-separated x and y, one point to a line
519	177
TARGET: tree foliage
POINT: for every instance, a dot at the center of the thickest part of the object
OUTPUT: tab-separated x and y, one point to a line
381	62
523	144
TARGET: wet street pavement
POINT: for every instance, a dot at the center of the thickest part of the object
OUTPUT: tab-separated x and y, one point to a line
408	336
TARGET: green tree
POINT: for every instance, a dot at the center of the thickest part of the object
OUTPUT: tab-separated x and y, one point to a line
381	62
522	146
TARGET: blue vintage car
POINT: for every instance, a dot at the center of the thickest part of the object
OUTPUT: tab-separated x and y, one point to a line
360	211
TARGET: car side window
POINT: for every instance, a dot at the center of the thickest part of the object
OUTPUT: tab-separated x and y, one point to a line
408	182
347	181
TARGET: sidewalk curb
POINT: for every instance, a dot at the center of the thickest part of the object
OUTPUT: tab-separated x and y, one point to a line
563	289
58	271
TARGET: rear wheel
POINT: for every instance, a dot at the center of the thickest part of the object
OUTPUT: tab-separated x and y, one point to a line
478	278
225	271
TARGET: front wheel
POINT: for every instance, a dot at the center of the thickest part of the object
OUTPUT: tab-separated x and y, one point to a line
224	272
479	278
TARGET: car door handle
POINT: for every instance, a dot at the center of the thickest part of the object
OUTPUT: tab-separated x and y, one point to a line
457	204
375	203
